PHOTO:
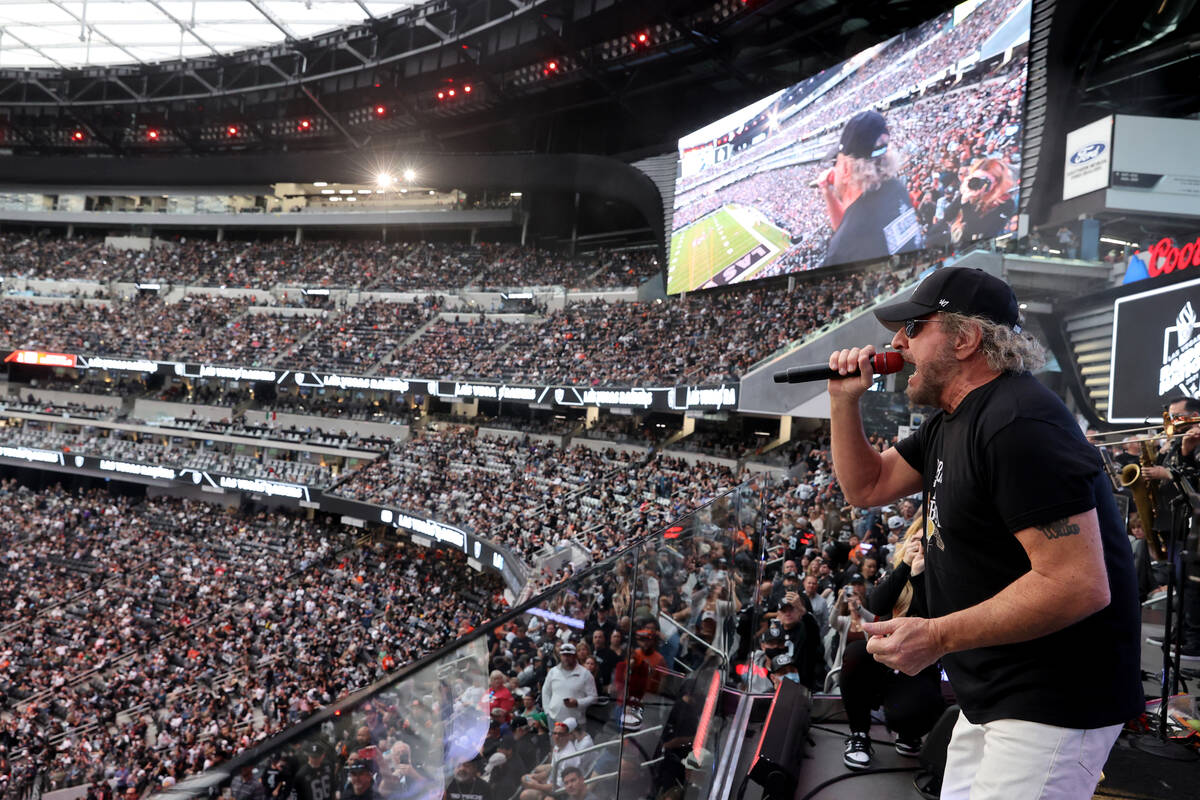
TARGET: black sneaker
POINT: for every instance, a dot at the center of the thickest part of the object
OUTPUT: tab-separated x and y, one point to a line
909	748
858	752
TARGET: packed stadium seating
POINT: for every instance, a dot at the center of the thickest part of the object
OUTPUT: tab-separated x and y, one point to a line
164	636
588	343
399	266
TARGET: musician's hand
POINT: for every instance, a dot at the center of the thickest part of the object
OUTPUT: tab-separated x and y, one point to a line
1190	440
1157	473
846	362
909	644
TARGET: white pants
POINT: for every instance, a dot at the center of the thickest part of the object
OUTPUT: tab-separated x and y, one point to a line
1012	758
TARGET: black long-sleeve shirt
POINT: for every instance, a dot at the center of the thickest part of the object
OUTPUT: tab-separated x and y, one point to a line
882	599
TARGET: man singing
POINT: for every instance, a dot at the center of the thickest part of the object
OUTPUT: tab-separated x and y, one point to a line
1031	587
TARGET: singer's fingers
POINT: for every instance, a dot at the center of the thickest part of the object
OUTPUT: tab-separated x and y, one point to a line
849	360
865	368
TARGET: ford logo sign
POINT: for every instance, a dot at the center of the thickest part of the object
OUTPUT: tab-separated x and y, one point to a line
1088	153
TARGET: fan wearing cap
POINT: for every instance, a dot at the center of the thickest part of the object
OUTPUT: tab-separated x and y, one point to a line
360	780
1030	585
569	689
546	779
314	779
870	211
467	783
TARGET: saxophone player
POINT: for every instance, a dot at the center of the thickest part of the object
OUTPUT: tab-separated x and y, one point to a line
1181	457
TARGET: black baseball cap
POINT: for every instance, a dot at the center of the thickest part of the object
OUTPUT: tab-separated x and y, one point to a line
861	136
962	290
359	765
781	662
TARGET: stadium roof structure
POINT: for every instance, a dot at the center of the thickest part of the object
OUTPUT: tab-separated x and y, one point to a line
81	33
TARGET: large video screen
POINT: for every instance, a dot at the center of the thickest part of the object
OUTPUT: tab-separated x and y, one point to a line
912	144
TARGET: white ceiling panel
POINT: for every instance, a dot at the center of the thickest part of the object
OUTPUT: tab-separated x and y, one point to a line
75	33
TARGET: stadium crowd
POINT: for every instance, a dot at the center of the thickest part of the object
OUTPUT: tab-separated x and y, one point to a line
151	640
534	496
542	714
590	343
347	264
289	466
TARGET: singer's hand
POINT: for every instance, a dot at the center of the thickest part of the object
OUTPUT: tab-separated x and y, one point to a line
846	362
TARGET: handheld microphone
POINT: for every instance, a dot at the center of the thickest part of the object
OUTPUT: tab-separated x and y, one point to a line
882	363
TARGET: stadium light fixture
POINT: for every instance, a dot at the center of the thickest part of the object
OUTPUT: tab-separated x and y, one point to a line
345	191
327	191
451	93
152	135
466	88
441	95
410	175
232	131
304	125
642	38
320	183
364	191
383	180
77	135
380	111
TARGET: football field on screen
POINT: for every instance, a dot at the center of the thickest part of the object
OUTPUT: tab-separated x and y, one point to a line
729	245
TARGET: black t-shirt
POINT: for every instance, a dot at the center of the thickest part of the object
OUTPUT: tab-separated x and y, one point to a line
475	789
981	225
275	782
315	783
877	224
1008	458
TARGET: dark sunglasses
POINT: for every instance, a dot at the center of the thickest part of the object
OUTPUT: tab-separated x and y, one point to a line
910	326
977	182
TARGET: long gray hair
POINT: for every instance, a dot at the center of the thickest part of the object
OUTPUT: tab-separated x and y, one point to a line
1005	349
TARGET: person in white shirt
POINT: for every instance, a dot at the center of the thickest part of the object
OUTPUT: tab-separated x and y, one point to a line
569	688
546	779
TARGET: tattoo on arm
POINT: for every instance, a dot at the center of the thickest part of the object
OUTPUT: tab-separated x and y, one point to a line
1058	529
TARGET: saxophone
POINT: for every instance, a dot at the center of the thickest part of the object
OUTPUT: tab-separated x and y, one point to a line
1145	498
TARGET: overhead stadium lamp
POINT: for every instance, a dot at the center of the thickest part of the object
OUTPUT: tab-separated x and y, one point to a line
152	135
410	175
380	111
304	125
232	130
466	88
77	135
441	95
383	180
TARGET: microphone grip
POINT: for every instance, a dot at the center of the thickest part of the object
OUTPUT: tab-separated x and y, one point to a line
881	363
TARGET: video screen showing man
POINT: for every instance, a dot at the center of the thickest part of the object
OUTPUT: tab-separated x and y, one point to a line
870	210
